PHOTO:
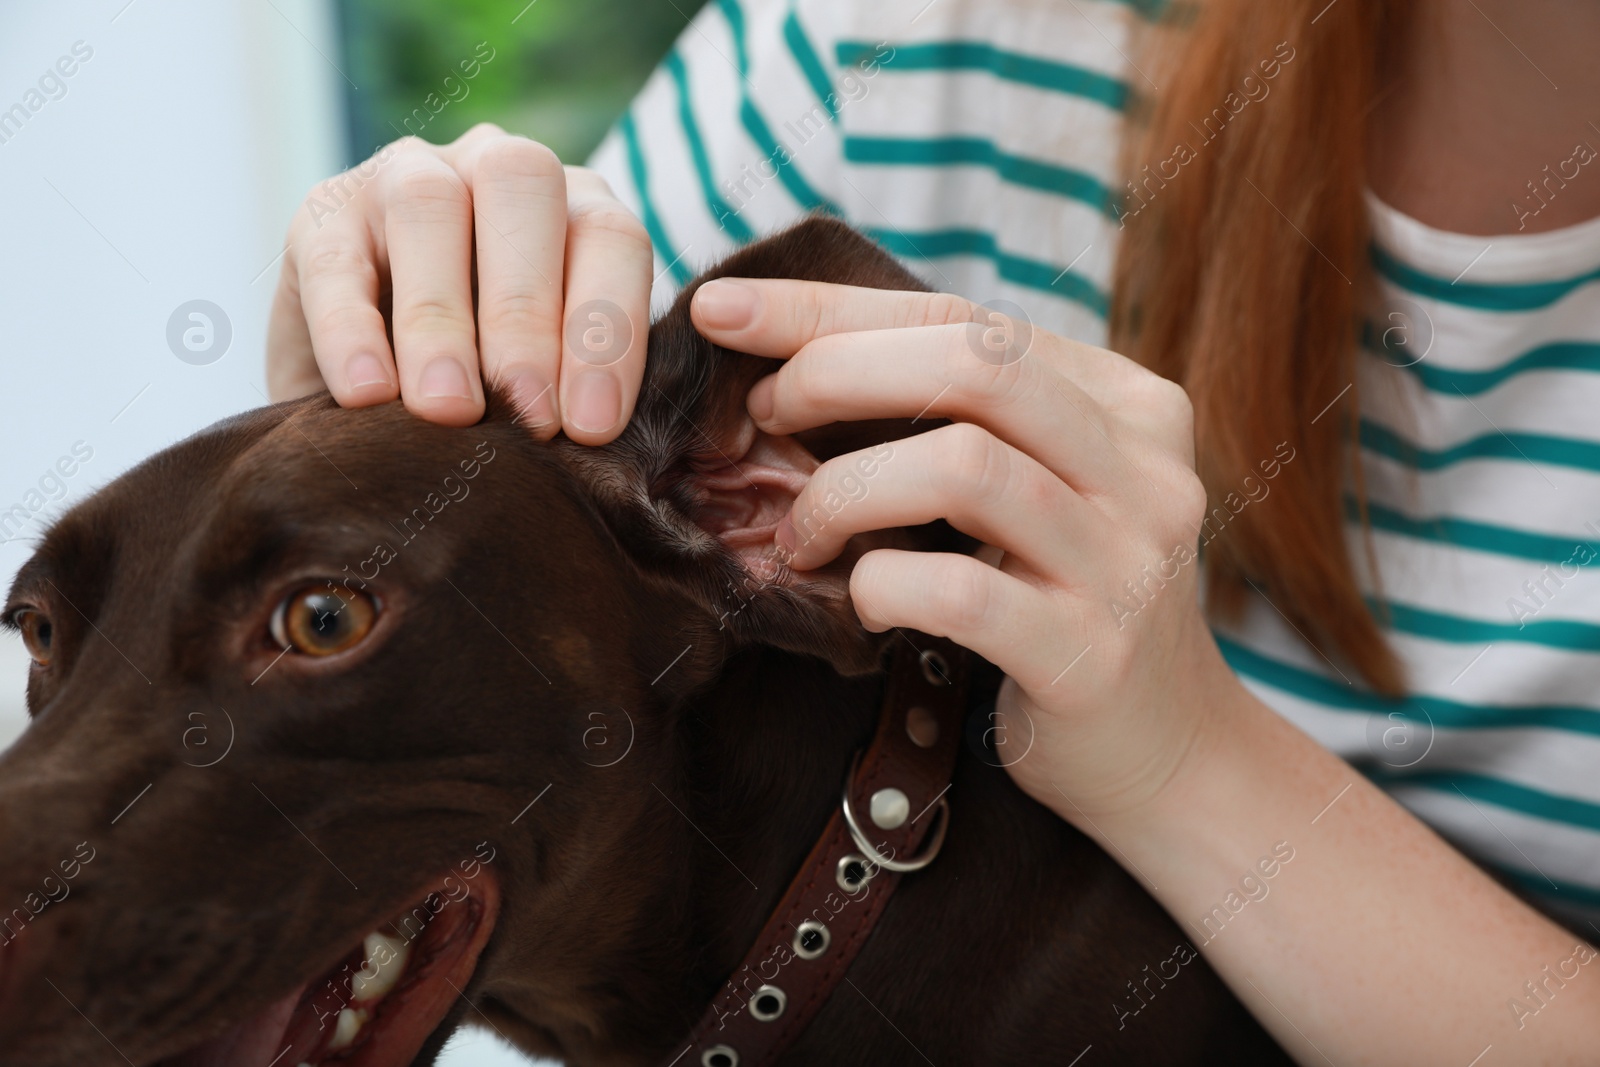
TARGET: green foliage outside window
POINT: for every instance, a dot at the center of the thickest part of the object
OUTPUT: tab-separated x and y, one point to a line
559	71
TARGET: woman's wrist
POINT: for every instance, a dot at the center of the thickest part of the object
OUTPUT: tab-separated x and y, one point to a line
1233	783
1170	734
1240	764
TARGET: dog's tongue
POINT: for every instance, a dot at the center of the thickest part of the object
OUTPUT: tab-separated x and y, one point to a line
256	1041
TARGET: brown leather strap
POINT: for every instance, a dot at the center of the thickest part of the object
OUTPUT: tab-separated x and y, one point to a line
897	796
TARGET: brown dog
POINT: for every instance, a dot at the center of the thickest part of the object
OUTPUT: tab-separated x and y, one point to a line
541	718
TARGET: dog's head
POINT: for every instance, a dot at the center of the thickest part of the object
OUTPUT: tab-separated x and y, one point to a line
318	696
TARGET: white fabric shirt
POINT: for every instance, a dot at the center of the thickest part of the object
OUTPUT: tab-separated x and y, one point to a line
978	141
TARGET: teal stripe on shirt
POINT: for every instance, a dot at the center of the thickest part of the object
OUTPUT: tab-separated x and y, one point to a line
1485	296
735	16
652	221
810	64
1018	170
1334	695
1458	629
756	126
1546	889
720	209
1468	533
1516	447
1497	791
788	175
1510	795
1013	268
1581	356
980	56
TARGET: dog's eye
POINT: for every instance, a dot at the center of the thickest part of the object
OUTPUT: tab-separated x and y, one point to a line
320	622
37	634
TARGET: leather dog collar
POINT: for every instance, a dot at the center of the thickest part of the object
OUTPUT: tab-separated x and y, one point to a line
891	821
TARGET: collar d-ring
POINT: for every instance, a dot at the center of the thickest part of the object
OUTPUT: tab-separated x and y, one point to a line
814	933
930	848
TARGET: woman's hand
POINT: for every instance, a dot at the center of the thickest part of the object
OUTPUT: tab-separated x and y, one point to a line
1074	461
473	257
1079	465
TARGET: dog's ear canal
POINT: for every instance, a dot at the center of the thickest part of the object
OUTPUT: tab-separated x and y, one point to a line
694	492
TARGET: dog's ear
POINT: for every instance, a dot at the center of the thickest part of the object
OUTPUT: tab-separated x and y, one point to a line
694	492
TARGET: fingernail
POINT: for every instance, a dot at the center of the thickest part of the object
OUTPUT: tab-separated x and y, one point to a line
726	305
364	370
594	403
534	396
444	377
759	402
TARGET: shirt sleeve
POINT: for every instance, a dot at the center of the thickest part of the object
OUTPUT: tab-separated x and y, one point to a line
733	136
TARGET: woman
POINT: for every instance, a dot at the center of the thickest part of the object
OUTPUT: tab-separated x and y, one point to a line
1363	237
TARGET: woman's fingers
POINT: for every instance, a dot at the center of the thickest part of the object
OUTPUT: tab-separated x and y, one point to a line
931	372
777	317
519	195
960	473
291	361
428	231
557	311
606	320
781	318
1001	618
325	328
339	301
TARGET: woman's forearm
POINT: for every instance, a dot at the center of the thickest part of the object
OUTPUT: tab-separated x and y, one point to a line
1351	930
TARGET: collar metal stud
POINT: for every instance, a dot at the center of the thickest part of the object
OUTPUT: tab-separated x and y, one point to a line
889	809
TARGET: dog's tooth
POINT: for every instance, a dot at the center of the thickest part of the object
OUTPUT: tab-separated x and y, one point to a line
394	952
351	1020
396	946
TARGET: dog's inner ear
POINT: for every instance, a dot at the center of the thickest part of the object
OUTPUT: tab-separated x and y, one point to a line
695	492
741	501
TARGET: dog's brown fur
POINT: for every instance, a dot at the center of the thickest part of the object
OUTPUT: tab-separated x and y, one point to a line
547	604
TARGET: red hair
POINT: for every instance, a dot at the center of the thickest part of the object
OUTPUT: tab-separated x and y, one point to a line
1242	270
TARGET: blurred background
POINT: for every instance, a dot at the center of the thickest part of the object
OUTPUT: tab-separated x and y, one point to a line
562	69
147	192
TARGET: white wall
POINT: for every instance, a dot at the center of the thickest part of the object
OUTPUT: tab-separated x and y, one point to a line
165	170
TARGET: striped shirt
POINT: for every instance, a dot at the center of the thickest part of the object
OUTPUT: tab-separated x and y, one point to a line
978	140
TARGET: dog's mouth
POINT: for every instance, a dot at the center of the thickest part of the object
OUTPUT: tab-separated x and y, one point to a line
379	1005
